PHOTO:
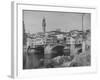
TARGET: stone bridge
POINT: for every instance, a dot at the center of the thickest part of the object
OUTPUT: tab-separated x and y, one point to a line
56	50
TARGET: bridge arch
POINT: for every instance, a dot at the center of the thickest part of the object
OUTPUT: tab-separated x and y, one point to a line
55	50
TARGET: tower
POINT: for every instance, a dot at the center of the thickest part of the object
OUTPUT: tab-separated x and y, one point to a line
24	35
44	24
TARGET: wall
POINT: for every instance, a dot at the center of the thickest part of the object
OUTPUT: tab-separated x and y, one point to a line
5	40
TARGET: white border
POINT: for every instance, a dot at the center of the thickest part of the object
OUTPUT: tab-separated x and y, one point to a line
18	71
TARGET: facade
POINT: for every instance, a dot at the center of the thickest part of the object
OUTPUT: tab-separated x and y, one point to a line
29	42
35	41
38	41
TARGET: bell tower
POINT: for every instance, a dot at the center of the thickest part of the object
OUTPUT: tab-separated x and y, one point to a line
44	24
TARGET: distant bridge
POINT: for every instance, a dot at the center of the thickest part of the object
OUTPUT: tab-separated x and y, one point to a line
56	46
55	50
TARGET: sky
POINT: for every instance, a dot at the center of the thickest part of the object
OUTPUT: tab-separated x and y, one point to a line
65	21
